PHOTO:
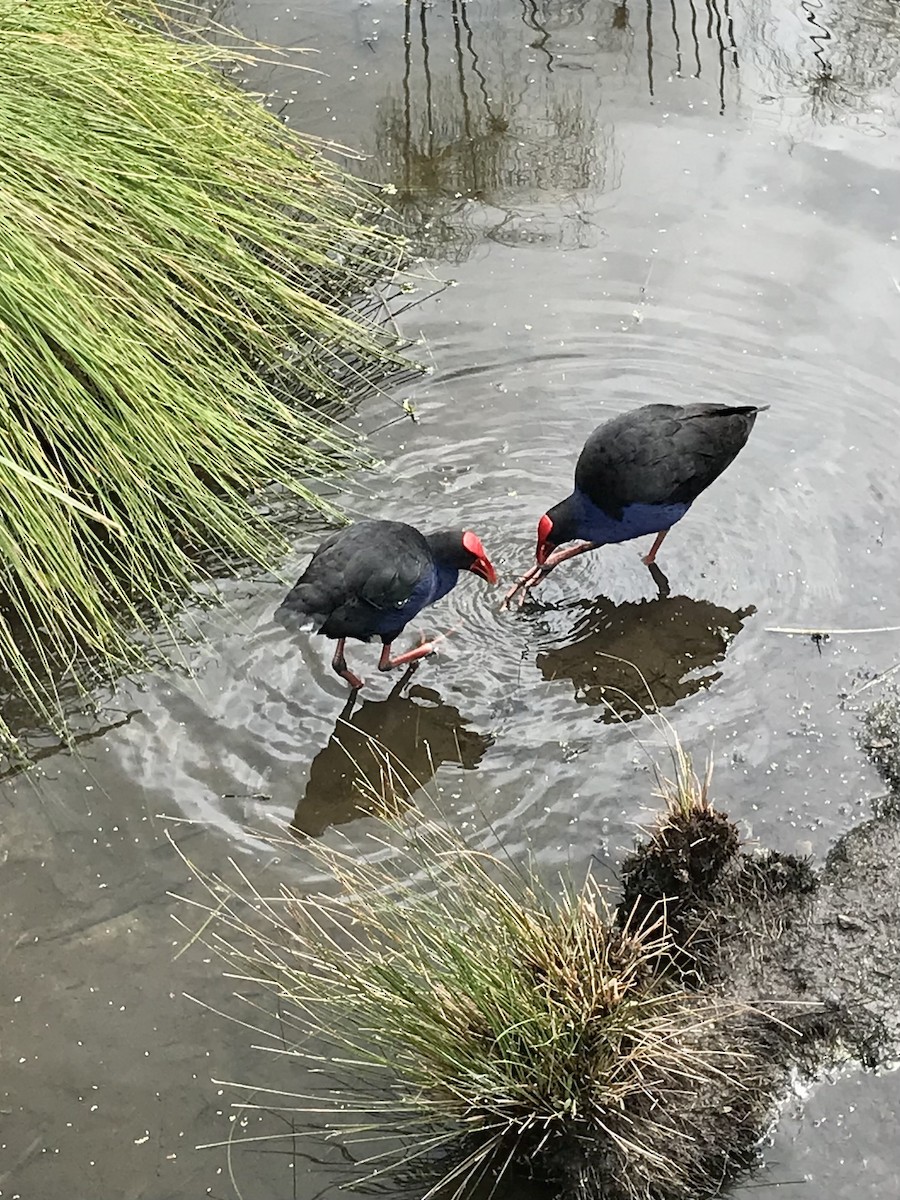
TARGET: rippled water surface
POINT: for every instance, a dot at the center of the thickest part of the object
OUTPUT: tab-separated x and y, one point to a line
639	201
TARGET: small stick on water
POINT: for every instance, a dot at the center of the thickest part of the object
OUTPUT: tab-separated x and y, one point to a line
818	629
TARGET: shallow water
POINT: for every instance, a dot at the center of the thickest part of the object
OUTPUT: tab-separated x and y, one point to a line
636	202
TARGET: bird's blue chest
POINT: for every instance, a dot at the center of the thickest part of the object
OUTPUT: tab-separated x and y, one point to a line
636	520
430	588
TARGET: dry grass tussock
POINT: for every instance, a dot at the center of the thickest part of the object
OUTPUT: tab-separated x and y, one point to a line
684	793
452	998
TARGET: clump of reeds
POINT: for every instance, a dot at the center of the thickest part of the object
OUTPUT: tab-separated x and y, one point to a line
176	315
452	998
689	864
683	857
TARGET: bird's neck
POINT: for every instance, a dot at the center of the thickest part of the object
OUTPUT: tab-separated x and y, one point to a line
578	517
445	580
573	518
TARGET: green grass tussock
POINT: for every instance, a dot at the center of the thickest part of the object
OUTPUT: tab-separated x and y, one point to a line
176	324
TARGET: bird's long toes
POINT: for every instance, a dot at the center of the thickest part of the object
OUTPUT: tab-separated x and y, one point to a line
518	589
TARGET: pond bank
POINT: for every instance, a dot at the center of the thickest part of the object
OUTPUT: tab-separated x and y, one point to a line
726	976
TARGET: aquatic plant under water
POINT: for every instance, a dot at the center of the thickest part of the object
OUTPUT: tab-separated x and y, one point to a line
177	312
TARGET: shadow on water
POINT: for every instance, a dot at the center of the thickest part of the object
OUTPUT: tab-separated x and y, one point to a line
385	751
618	656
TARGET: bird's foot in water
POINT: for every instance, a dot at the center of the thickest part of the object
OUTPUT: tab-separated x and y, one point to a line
520	589
649	558
540	571
339	666
436	641
425	649
354	680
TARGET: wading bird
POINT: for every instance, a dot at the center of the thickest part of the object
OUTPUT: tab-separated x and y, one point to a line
638	474
370	579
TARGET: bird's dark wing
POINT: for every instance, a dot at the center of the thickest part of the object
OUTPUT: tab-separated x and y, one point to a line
661	453
360	573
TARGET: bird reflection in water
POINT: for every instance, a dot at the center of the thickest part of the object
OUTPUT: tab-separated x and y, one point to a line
643	656
378	757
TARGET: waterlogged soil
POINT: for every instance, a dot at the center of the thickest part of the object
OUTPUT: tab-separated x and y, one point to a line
634	202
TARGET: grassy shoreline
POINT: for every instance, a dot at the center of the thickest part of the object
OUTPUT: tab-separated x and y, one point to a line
179	326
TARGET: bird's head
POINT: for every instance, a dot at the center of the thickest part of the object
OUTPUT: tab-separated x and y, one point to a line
478	561
557	526
461	549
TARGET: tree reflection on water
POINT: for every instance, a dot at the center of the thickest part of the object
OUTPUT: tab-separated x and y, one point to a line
481	145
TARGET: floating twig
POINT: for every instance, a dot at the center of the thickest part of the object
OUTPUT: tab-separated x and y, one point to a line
833	632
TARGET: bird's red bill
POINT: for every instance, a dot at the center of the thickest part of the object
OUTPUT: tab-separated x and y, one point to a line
482	565
545	528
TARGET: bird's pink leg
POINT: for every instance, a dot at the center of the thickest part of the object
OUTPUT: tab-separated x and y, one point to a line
339	664
423	650
535	574
650	558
